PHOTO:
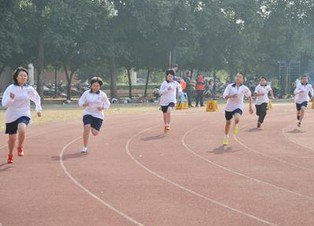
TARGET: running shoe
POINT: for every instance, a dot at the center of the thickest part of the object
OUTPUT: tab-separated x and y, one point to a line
10	158
299	124
236	130
84	150
167	127
225	141
20	151
259	125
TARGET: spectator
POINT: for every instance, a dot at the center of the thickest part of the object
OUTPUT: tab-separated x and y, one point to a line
189	87
200	87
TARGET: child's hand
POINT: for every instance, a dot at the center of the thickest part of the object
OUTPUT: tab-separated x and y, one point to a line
12	96
233	96
38	113
100	108
85	104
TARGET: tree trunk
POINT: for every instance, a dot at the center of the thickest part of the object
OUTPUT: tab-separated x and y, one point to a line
113	79
40	64
1	70
69	81
147	82
56	85
130	83
214	85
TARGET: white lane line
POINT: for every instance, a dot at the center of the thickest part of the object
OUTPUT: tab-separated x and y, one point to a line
88	191
236	172
272	157
127	148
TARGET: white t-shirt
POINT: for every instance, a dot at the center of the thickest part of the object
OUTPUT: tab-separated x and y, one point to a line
168	92
94	101
262	90
20	105
237	102
304	96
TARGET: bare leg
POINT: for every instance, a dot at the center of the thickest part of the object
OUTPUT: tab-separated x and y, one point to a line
95	132
237	119
165	118
302	113
86	132
227	127
168	118
21	131
11	143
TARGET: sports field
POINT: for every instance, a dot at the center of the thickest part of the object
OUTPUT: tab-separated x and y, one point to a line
135	174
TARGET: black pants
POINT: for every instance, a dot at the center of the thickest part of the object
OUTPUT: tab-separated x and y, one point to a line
261	111
189	95
199	97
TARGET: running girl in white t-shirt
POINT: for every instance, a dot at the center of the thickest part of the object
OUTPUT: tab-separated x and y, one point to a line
235	93
168	91
261	93
94	101
302	98
16	99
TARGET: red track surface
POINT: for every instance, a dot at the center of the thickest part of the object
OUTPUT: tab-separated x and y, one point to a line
137	175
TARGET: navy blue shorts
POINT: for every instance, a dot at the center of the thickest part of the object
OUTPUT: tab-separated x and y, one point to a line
93	121
11	128
299	106
229	114
164	109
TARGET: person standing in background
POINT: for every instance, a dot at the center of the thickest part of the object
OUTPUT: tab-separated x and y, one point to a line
189	87
200	87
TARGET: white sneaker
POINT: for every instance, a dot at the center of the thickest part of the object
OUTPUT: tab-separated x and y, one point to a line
84	150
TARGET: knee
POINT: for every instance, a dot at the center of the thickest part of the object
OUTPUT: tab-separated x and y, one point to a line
95	132
228	122
12	138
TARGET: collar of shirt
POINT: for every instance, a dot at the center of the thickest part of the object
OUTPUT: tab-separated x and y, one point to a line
98	92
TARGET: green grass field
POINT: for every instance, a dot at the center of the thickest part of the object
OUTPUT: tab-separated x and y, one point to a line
52	113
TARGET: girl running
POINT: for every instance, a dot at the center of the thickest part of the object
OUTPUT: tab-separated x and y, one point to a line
261	93
234	93
94	101
302	98
168	100
16	99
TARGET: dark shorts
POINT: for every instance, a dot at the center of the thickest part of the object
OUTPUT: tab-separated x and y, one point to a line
229	114
299	106
164	109
11	128
94	122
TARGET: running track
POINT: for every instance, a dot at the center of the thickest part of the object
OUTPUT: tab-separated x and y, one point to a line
137	175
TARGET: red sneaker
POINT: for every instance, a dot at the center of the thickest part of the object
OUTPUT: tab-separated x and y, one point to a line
20	151
10	158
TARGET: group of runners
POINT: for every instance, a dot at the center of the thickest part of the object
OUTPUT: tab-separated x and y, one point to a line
16	99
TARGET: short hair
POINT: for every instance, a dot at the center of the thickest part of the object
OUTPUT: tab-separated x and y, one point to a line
304	76
96	79
263	77
241	73
17	72
170	71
